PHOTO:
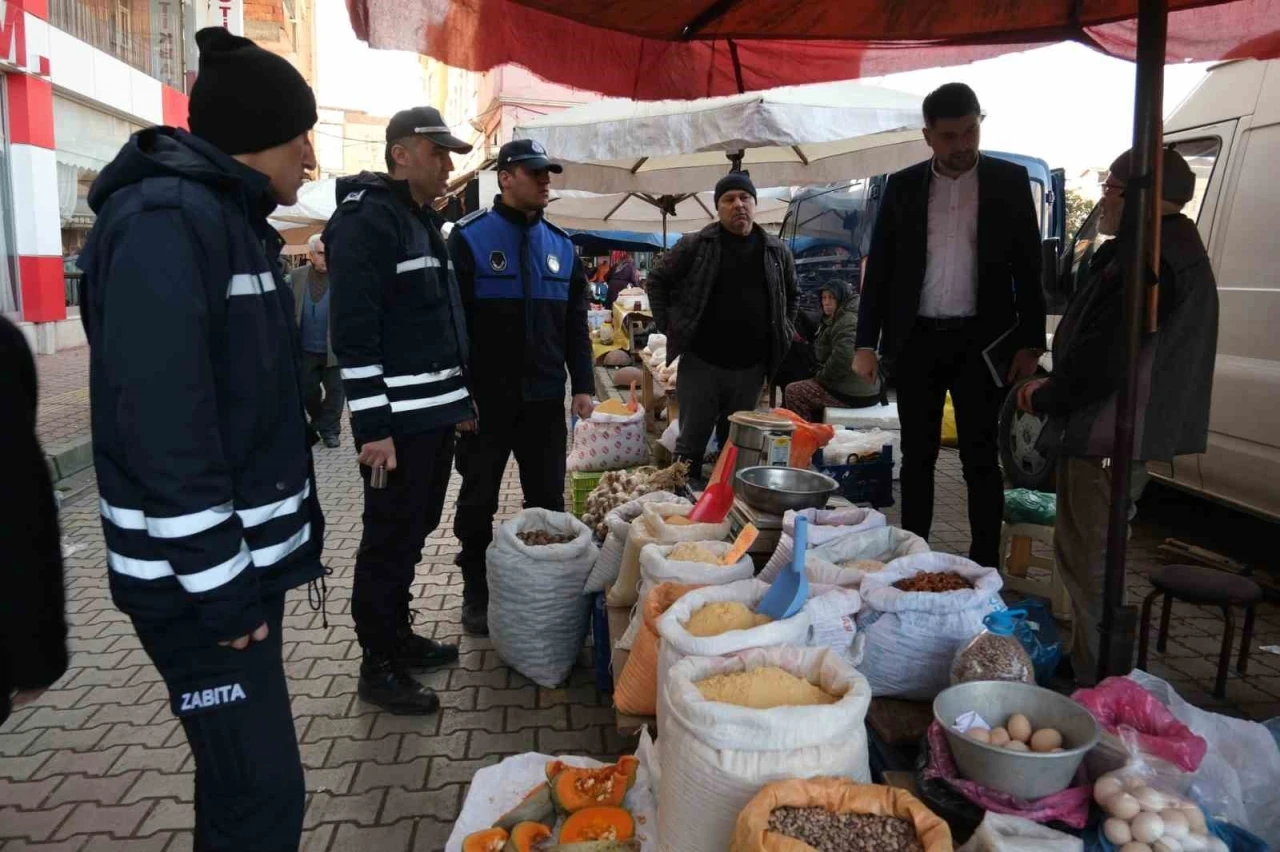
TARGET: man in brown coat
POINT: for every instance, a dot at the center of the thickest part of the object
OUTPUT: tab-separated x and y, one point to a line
321	381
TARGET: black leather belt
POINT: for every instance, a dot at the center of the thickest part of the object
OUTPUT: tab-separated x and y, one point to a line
944	323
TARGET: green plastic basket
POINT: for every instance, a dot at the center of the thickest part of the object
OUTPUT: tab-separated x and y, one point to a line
583	484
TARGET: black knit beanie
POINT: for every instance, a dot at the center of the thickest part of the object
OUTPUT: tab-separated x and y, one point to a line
247	99
735	180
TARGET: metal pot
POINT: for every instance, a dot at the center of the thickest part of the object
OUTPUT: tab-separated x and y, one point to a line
753	433
774	490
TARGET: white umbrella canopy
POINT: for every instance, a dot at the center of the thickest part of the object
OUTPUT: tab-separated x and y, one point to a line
316	203
786	137
589	211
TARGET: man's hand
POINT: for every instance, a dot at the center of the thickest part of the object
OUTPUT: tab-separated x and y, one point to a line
259	633
866	365
466	426
1027	391
1025	362
582	406
379	453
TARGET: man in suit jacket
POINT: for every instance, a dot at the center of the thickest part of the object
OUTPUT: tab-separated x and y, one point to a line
954	265
321	381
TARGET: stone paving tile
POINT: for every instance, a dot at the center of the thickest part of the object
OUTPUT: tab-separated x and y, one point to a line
97	762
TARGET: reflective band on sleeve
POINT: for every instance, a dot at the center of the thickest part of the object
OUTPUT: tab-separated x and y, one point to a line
264	556
259	515
430	401
367	402
422	378
218	575
125	519
139	569
181	526
246	284
367	372
425	262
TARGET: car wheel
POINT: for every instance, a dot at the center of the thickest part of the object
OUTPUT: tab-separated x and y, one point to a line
1026	465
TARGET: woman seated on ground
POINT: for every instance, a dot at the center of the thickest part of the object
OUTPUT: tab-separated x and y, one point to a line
835	385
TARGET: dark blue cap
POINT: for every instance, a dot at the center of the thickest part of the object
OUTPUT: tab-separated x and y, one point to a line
527	153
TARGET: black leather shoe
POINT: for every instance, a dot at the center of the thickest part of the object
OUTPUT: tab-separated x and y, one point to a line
475	619
385	683
418	653
332	441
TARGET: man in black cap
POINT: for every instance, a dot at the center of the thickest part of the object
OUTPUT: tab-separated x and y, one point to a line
401	342
200	442
1175	382
726	299
525	295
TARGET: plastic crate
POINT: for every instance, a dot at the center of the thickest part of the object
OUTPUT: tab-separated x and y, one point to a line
583	484
869	482
601	647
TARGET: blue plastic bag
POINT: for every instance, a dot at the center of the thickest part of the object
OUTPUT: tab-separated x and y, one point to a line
1038	634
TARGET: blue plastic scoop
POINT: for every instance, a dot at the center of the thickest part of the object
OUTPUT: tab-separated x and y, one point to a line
790	588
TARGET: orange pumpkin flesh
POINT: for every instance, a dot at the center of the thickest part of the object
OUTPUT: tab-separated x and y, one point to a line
574	789
489	840
525	835
598	823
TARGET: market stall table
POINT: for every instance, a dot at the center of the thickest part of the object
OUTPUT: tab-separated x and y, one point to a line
649	398
627	322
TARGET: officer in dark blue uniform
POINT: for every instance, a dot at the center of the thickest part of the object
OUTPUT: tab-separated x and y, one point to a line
524	293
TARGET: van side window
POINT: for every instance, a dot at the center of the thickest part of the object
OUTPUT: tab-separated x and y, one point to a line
1201	155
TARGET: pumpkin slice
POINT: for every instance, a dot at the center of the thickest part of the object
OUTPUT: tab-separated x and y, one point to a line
535	807
489	840
573	789
598	823
525	835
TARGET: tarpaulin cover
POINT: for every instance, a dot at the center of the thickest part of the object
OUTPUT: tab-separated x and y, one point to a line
632	49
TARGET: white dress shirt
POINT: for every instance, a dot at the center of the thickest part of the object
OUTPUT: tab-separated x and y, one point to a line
950	267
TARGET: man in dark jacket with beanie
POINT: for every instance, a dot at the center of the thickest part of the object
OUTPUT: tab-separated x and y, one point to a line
726	299
400	338
208	501
1175	383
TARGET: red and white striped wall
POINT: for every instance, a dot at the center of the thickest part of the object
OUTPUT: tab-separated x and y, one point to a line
35	57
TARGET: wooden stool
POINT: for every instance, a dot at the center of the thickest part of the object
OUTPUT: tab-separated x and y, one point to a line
1195	584
1016	541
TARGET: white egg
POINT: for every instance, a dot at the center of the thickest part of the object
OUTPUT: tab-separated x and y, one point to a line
1195	819
1147	827
1166	844
1117	831
1135	847
1194	843
1149	799
1176	824
1133	782
1123	806
1217	844
1106	787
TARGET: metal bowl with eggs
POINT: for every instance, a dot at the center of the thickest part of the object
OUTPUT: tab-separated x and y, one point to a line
1047	734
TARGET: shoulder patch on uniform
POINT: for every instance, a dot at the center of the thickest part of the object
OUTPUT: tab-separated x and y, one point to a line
497	261
354	197
469	218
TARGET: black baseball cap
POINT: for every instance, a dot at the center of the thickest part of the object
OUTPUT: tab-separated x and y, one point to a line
527	153
424	121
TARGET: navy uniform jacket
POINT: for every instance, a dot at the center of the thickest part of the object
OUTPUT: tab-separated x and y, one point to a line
397	323
199	437
521	282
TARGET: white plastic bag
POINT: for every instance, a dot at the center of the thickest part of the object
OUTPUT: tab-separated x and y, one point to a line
671	435
1240	773
845	442
715	757
609	562
882	544
911	637
609	442
677	642
1006	833
538	615
656	567
652	528
496	789
825	526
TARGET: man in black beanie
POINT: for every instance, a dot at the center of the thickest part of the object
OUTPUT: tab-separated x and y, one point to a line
726	299
208	500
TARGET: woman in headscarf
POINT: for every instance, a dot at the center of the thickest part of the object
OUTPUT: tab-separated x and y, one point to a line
835	385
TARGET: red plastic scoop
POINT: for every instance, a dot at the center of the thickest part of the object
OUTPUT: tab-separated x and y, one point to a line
714	504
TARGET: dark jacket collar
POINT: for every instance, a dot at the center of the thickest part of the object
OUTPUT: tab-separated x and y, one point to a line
514	216
712	232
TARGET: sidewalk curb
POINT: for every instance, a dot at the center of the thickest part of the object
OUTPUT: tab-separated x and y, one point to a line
66	460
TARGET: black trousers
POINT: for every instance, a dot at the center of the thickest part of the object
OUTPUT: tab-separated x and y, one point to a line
322	394
934	362
234	707
708	395
536	432
397	521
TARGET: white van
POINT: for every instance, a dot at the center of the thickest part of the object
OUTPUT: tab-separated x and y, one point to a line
1228	129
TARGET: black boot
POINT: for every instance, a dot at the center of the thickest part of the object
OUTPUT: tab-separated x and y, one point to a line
418	653
387	684
475	618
